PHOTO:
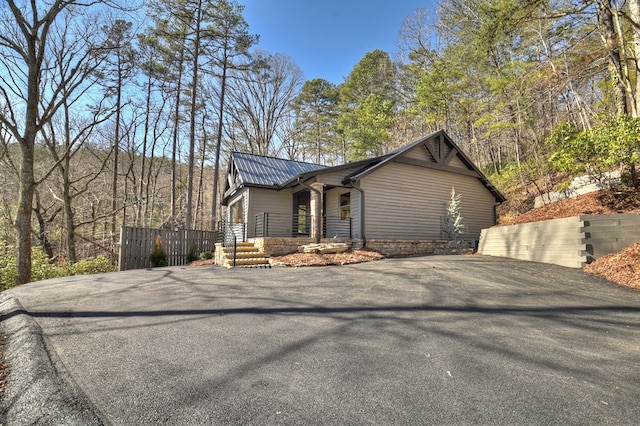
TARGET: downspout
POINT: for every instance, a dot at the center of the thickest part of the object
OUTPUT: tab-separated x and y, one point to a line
361	191
318	212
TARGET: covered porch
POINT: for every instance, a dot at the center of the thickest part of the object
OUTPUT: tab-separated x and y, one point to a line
279	225
314	211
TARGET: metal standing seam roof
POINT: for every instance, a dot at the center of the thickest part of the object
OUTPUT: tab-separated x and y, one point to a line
274	172
269	171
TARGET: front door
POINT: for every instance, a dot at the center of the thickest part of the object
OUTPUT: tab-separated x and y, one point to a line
301	225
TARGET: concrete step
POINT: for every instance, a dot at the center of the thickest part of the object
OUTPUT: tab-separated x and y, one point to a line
247	262
247	255
243	249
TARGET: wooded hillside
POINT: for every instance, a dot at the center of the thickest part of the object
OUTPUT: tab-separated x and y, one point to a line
113	113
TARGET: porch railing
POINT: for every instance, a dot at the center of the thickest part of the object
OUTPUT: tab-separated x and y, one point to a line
288	225
336	227
282	225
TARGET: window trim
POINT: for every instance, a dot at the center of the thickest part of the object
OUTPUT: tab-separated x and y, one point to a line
345	207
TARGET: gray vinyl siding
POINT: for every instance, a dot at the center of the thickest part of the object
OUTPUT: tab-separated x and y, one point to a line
409	202
457	162
334	178
421	153
279	205
418	153
332	200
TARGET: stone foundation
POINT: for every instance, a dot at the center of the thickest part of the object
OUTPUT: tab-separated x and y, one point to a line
402	248
389	248
280	246
218	254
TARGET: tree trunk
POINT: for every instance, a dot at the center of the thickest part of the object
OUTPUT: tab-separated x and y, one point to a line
67	197
216	172
27	179
114	190
610	40
25	206
203	156
42	228
176	122
634	16
69	216
192	124
140	214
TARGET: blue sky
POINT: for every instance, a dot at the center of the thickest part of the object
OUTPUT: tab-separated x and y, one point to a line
327	38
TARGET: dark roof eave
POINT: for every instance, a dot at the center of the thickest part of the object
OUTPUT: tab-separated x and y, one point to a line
308	175
258	185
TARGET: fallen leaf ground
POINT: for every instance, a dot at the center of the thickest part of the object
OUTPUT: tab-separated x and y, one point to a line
622	267
601	202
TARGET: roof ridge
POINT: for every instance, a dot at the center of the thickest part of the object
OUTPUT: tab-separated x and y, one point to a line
271	157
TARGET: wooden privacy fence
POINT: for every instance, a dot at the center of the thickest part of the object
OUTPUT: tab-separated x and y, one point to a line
137	244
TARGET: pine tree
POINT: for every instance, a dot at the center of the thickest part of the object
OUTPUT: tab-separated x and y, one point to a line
452	224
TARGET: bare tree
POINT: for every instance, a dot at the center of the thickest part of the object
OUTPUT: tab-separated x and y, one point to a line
232	41
119	55
259	99
67	132
28	30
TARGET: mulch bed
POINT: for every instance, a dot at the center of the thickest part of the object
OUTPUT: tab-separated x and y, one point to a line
313	259
601	202
622	267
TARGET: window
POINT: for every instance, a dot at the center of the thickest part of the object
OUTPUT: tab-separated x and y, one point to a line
237	211
345	205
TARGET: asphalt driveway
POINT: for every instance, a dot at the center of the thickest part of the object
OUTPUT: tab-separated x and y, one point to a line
431	340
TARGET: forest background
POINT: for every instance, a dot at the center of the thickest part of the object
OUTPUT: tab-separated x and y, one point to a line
116	114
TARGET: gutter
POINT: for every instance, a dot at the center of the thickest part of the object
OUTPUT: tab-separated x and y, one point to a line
361	191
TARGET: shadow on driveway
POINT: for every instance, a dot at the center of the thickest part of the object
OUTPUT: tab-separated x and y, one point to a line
435	340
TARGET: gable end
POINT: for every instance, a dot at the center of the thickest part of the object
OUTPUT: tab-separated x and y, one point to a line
437	166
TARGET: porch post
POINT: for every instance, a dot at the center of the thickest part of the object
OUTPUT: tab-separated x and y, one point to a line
317	189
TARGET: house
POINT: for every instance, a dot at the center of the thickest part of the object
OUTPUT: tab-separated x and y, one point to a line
396	200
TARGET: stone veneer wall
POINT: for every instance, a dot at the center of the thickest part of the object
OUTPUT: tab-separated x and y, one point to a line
400	248
218	254
279	246
390	248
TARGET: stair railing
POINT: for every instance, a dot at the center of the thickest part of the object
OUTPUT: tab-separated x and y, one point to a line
229	240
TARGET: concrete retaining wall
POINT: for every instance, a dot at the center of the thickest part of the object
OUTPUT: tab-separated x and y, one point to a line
572	242
579	186
606	234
